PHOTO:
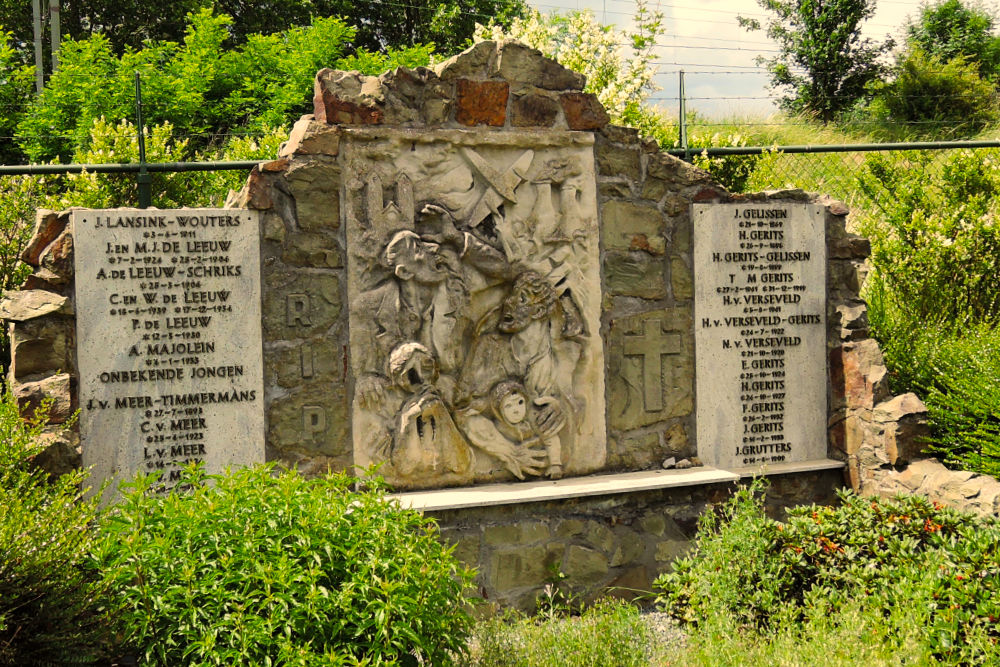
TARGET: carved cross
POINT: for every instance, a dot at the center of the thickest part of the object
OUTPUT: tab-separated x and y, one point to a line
651	345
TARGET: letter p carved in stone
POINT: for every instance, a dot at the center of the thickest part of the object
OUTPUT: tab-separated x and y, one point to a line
313	420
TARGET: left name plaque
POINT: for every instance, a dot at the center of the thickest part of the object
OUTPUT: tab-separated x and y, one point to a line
168	341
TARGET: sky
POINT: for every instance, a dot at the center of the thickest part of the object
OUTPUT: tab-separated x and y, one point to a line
703	38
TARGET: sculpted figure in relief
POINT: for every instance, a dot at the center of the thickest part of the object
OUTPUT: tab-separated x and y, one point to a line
468	340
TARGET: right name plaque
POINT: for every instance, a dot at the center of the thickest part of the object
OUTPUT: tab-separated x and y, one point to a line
760	333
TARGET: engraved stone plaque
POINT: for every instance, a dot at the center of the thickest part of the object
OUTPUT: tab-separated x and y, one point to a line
475	294
760	333
168	340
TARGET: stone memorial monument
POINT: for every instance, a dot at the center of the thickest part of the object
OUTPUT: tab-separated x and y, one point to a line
168	322
464	278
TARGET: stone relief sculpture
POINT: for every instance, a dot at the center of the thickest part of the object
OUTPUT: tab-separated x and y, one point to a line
474	298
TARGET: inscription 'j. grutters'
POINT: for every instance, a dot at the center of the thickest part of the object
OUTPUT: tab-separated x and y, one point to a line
168	323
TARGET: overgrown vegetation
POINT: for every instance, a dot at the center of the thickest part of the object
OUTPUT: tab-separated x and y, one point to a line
920	580
257	567
49	599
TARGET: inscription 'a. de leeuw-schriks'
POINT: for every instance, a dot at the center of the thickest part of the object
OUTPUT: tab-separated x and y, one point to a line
168	340
760	333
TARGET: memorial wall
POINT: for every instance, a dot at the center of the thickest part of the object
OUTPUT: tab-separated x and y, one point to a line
466	278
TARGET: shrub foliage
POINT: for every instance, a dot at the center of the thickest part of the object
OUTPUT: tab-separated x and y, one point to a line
258	568
904	557
49	598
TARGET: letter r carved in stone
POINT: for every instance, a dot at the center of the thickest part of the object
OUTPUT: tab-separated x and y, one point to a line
297	310
651	345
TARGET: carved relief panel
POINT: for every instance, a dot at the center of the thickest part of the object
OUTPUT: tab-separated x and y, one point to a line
474	291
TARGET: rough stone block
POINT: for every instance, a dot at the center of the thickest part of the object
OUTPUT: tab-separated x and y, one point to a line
346	98
681	279
583	111
30	304
58	258
525	532
312	421
312	250
473	63
533	111
60	451
518	567
41	346
618	161
48	226
55	388
299	304
523	64
628	226
584	565
315	186
634	274
309	137
482	102
858	375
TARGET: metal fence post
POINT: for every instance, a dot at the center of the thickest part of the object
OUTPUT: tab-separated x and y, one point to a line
143	179
682	119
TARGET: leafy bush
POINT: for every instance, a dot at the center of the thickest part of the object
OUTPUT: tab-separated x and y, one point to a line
932	97
49	599
935	241
903	558
609	634
259	568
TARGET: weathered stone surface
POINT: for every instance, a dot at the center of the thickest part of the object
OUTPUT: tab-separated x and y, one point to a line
481	102
311	420
299	304
320	358
309	137
858	375
58	258
906	427
583	111
628	226
600	536
475	62
523	64
516	533
41	346
681	280
315	186
634	274
569	527
61	453
650	368
584	566
630	547
669	550
533	111
848	247
48	226
30	304
517	567
617	161
312	250
55	388
635	452
346	98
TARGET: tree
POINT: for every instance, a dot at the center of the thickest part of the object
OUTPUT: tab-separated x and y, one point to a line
381	23
823	63
951	29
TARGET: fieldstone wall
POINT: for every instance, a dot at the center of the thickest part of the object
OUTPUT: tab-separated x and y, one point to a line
604	545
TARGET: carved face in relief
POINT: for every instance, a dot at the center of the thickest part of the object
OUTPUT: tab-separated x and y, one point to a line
530	299
412	258
412	366
510	403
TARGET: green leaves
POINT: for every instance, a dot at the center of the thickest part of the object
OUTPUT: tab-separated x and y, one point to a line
930	567
821	39
262	566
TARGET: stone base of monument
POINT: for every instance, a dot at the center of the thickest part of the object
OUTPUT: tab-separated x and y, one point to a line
609	534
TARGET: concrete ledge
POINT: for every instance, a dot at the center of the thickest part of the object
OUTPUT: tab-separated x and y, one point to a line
573	487
785	468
